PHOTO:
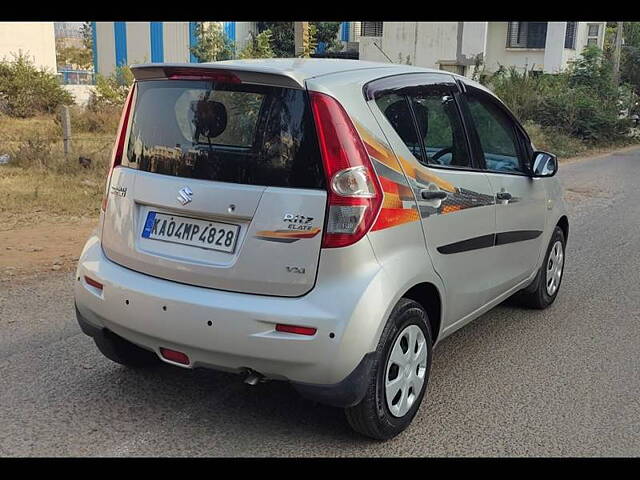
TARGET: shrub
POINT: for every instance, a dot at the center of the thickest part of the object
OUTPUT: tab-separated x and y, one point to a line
26	90
553	140
111	91
580	102
35	152
104	120
523	92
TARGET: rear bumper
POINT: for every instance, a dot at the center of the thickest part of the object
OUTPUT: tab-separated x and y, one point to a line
233	331
345	393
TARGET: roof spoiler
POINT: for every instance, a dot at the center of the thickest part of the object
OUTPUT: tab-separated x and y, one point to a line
229	73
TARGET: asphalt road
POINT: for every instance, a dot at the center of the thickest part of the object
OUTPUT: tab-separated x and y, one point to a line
565	381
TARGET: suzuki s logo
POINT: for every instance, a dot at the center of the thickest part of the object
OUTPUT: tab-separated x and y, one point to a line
184	195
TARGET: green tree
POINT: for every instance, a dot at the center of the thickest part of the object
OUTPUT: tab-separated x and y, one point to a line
630	58
259	46
26	90
86	30
309	43
282	37
327	32
77	57
213	44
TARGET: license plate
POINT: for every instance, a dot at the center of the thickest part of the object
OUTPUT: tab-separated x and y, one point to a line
191	231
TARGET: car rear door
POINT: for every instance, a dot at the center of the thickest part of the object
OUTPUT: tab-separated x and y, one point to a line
420	117
504	151
220	185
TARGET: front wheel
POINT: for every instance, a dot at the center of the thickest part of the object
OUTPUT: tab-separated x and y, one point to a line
399	375
544	289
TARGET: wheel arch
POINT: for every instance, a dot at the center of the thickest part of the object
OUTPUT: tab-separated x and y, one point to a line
427	295
563	223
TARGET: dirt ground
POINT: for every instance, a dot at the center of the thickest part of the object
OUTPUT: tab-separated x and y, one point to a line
42	245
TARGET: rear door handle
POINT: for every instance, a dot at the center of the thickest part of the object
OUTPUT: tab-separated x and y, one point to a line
433	194
504	196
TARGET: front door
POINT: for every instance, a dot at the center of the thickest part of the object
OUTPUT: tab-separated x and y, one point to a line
504	149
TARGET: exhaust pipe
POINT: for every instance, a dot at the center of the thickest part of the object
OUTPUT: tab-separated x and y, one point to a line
253	377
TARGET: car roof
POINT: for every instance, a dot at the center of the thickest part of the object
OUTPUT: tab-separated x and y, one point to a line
297	69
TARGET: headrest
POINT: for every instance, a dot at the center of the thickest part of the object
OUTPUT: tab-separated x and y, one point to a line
209	119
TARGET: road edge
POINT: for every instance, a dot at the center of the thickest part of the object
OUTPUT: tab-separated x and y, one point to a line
599	153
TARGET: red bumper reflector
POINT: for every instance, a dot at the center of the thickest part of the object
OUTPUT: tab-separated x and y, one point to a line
296	329
174	356
93	283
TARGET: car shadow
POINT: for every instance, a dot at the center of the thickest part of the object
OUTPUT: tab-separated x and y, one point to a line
214	403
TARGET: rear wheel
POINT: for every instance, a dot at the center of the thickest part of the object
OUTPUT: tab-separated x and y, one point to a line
399	375
122	351
544	289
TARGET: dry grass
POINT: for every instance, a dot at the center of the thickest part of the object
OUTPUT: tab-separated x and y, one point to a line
567	147
40	182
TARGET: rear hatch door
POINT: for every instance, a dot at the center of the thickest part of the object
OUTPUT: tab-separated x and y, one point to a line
220	185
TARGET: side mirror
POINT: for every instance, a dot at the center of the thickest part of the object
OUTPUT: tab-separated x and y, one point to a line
544	164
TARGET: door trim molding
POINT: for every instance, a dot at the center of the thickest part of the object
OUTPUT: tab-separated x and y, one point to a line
491	240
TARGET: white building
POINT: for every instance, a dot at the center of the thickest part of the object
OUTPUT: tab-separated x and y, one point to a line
119	43
35	39
454	46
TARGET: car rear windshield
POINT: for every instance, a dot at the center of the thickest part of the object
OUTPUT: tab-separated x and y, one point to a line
238	133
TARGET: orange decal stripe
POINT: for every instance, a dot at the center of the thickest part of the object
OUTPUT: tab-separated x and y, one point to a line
389	186
391	217
287	233
391	200
411	167
450	208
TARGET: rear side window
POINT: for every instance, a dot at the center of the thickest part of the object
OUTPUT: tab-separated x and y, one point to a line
441	128
396	109
248	134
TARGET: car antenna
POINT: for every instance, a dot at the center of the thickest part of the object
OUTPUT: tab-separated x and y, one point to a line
380	48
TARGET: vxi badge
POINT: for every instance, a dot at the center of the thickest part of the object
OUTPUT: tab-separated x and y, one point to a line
297	222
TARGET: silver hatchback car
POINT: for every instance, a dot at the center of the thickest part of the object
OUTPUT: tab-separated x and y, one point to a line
322	222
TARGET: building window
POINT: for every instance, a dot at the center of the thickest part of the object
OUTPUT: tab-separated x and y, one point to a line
570	35
526	34
593	33
371	29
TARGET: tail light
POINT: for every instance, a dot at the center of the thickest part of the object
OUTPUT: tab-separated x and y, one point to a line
354	191
118	148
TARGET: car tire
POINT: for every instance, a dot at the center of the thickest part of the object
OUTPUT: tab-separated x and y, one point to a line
373	416
538	295
122	351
